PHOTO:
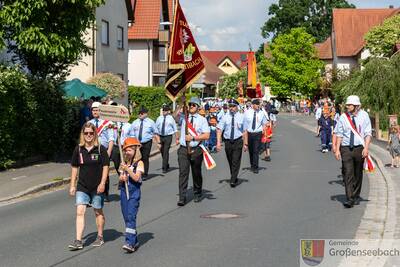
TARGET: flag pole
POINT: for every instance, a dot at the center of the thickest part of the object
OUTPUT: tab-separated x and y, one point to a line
186	114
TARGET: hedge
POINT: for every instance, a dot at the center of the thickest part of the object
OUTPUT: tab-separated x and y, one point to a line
36	120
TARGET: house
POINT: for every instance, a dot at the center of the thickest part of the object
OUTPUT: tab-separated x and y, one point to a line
345	47
209	81
148	38
109	40
229	62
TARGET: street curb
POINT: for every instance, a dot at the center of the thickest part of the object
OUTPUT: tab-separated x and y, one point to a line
50	185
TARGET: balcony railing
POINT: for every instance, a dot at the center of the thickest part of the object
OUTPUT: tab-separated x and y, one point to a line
160	67
163	36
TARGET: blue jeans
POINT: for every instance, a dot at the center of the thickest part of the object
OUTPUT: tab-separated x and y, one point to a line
93	199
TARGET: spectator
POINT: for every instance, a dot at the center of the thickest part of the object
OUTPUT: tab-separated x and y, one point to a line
394	146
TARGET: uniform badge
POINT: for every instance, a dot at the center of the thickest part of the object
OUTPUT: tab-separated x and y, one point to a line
95	157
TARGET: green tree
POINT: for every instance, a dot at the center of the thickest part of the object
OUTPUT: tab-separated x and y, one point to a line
381	39
228	87
314	15
111	83
294	66
47	36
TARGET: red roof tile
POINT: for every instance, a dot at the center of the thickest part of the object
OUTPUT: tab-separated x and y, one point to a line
147	20
324	49
350	25
239	58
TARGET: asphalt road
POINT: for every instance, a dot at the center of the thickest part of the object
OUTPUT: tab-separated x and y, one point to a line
295	196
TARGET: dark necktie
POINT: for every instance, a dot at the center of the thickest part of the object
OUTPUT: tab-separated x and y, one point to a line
97	123
352	134
233	127
163	127
253	126
141	130
191	120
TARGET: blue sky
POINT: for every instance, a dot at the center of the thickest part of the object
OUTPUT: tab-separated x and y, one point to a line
233	24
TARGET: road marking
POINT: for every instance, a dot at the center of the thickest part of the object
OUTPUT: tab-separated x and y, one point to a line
19	177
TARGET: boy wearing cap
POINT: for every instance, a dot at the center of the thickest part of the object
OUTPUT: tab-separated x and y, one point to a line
253	125
165	129
143	128
325	131
352	147
231	128
131	174
192	158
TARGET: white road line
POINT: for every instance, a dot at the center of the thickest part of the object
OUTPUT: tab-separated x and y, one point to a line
19	177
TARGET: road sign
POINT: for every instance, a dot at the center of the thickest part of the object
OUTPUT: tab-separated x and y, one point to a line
114	113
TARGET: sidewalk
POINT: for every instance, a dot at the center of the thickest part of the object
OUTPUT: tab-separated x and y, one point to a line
16	183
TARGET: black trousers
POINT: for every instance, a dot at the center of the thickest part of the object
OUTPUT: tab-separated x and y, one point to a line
116	158
185	162
145	150
254	140
352	164
233	152
165	146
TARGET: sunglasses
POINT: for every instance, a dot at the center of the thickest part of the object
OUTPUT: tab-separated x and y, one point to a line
192	105
88	133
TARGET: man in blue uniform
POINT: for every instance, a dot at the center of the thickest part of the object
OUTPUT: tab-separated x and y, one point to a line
192	159
223	112
165	129
253	125
143	129
352	147
231	125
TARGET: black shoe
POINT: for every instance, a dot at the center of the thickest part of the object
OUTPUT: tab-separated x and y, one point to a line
181	202
357	201
106	199
144	176
164	171
197	198
255	170
348	204
267	158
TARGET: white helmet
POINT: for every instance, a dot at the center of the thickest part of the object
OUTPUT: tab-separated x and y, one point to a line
96	104
353	100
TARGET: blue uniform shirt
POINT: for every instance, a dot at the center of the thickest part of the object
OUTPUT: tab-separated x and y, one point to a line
325	123
363	125
106	135
225	125
170	125
149	128
200	124
261	120
221	114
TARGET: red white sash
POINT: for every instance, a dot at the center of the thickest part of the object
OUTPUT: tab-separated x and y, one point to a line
208	160
368	163
104	125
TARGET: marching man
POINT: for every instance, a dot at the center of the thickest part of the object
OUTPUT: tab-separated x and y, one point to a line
165	129
353	136
194	158
105	132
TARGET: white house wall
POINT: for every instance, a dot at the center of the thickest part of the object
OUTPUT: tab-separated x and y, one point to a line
140	62
347	63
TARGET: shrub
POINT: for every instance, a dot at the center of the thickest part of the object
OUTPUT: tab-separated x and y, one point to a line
150	97
111	83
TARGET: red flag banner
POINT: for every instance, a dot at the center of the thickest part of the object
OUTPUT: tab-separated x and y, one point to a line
185	62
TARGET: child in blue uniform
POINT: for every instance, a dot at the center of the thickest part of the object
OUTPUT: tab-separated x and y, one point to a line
325	130
131	173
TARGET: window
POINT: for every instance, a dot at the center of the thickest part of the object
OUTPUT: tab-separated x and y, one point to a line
120	37
226	64
105	40
160	52
159	80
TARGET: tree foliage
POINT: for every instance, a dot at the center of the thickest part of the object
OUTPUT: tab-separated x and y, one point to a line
314	15
381	39
47	36
111	83
294	66
228	87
